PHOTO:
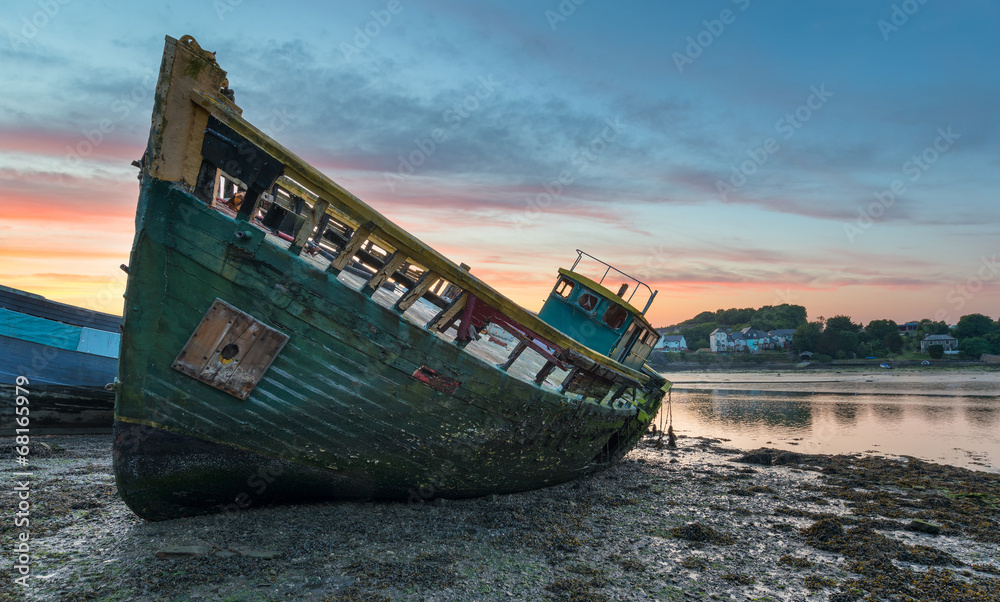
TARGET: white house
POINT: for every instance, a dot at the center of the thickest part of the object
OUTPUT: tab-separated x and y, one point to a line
671	342
720	341
949	343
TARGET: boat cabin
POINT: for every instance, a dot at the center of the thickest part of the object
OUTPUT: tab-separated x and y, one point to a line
587	311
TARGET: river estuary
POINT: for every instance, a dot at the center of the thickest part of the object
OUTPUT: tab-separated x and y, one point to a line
940	416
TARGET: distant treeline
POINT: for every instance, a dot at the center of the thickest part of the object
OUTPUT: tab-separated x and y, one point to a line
767	318
841	338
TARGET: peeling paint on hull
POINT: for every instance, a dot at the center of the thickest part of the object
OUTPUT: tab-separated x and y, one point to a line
356	400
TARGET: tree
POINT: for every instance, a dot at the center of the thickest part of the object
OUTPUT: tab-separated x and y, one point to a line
806	337
974	346
842	323
974	325
936	351
766	318
927	327
877	330
847	343
893	342
697	335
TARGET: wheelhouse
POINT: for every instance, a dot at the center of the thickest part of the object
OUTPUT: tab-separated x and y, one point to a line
585	310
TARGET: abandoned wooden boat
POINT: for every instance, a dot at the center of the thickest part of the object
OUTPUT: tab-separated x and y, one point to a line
294	344
69	356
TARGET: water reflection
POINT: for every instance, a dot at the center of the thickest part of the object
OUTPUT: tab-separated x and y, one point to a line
846	414
954	430
983	417
752	407
938	412
888	412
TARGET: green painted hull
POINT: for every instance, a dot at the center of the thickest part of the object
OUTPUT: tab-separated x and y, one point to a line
339	413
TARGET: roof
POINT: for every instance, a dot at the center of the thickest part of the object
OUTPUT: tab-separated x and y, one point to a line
939	337
607	294
673	338
781	332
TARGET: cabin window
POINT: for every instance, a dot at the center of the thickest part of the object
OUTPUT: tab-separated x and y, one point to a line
615	316
564	288
587	301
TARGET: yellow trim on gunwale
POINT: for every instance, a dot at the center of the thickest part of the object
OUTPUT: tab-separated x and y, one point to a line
342	202
346	204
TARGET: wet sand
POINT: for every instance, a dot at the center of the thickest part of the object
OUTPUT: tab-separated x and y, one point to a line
685	524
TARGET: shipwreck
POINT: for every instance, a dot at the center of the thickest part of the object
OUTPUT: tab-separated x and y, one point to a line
283	341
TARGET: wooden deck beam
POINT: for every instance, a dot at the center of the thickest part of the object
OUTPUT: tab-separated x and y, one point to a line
427	280
392	263
357	211
353	246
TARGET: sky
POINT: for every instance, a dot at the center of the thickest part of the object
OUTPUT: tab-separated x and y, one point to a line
840	155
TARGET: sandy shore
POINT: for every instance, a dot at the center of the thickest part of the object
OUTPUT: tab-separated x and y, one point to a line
685	524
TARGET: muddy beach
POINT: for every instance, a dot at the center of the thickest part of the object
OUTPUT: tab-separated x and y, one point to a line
699	522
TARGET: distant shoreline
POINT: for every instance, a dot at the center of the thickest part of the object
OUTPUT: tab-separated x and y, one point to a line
956	381
835	366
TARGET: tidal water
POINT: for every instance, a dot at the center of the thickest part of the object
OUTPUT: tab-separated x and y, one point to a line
948	424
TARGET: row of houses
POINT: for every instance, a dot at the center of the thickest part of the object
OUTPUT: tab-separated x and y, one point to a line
724	339
749	339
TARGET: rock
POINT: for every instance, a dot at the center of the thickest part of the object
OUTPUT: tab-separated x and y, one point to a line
225	554
438	501
182	551
924	526
762	458
786	457
823	532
